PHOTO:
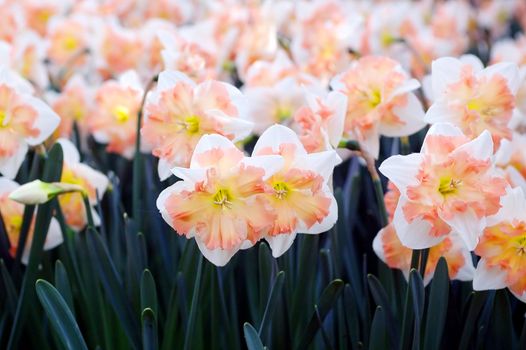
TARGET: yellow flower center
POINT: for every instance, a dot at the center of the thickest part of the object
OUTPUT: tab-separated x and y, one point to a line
121	114
191	124
223	199
70	43
448	185
3	121
387	39
281	190
520	245
15	223
375	98
283	113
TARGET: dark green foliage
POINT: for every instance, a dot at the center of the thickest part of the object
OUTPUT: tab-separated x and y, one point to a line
137	284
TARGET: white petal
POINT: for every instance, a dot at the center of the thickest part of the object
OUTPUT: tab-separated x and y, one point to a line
508	70
163	169
378	246
46	122
372	143
7	185
414	235
335	125
131	79
407	86
190	175
71	154
9	165
473	61
412	114
479	148
279	244
168	79
54	235
322	163
488	277
208	142
467	271
218	257
328	222
443	129
513	207
468	226
95	178
277	135
439	113
444	71
402	170
271	163
238	127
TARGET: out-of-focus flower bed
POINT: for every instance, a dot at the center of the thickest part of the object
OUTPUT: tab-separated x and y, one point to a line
281	174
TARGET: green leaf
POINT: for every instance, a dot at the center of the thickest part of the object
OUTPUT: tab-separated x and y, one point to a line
52	173
477	302
272	301
149	330
437	307
149	292
63	286
500	332
327	301
9	288
378	334
193	308
113	287
252	338
60	316
417	296
265	261
381	299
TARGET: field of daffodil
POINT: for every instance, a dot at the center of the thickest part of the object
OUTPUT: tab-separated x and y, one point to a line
263	174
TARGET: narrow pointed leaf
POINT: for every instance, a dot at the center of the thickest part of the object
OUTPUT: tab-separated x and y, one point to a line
378	334
113	287
252	338
437	306
63	286
60	316
149	330
327	301
272	301
381	299
148	292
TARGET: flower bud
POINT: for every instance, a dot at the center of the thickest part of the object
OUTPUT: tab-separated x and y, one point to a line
39	192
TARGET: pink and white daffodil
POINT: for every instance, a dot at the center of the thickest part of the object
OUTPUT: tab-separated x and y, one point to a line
472	97
24	121
380	101
300	192
502	248
216	202
178	112
451	186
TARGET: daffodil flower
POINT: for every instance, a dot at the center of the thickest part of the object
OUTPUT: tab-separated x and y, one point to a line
216	202
300	192
502	248
178	112
452	185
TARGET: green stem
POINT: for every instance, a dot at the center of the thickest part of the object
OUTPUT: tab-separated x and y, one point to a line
193	308
408	316
137	161
87	206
